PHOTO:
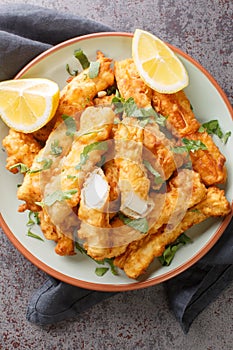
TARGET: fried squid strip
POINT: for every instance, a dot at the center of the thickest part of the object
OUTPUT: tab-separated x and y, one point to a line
177	109
81	90
133	181
184	191
210	163
142	253
95	126
94	215
130	84
159	147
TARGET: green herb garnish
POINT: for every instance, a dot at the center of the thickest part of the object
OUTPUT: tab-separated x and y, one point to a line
33	218
130	109
57	196
213	127
101	162
189	146
140	225
94	69
157	177
99	145
56	150
101	271
33	235
99	262
74	73
170	251
70	125
46	164
22	168
80	55
111	90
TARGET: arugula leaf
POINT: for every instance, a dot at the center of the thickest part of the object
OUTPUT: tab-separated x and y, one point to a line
22	168
56	150
158	179
101	271
170	251
140	225
33	235
94	69
57	196
99	145
70	125
213	127
80	55
189	146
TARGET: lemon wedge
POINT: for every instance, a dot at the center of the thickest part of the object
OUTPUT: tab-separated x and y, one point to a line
28	104
157	64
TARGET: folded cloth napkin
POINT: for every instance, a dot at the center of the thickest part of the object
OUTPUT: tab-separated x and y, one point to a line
26	31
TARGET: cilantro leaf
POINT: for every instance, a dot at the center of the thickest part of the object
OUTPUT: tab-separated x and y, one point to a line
94	69
80	55
70	125
158	179
213	127
56	150
140	225
99	145
170	251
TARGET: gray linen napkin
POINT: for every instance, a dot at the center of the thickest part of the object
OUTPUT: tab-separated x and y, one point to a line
26	31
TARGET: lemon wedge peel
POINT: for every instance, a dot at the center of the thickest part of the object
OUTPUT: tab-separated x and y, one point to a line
157	64
26	105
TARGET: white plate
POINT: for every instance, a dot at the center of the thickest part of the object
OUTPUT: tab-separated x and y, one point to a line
209	102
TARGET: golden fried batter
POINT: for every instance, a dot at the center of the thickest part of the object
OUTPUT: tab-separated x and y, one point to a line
133	181
130	83
81	90
95	126
177	109
208	163
160	154
140	254
20	148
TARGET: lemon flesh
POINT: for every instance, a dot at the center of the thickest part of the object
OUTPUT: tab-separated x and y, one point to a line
157	64
26	105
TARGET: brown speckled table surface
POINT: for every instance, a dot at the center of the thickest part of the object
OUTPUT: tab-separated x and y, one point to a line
136	319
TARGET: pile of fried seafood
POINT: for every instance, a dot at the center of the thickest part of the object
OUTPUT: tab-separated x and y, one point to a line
142	180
